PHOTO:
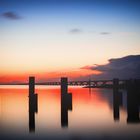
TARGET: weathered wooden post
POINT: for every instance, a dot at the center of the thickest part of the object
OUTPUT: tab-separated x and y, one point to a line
33	107
64	85
115	85
116	99
66	101
31	85
133	96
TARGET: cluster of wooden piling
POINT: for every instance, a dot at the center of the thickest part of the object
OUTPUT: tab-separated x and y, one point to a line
132	87
66	103
133	101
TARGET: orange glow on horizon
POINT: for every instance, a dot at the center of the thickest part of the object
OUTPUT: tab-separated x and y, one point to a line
48	76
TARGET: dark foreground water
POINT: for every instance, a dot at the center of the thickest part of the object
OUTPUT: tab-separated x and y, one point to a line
95	114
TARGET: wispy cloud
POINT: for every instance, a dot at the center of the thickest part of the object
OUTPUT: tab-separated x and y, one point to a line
79	31
11	15
105	33
89	67
75	31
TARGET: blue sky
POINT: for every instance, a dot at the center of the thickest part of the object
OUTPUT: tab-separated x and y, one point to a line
94	13
51	35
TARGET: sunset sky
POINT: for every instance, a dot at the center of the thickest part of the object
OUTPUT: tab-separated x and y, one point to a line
52	38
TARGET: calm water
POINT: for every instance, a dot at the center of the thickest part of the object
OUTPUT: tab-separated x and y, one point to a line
94	115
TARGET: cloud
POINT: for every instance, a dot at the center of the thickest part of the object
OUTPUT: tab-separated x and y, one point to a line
105	33
78	31
123	68
11	15
75	31
89	67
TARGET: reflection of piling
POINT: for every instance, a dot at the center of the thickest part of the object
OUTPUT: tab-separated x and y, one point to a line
31	121
117	99
133	101
66	102
32	104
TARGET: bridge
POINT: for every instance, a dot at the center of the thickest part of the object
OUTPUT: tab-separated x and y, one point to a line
85	83
88	83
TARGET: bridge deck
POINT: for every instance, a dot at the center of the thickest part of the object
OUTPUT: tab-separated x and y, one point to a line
90	83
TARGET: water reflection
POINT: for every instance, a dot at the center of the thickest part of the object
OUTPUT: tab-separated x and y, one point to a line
90	116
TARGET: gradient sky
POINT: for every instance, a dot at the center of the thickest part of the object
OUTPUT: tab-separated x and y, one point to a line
56	36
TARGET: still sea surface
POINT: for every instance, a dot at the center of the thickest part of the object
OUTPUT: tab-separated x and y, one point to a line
94	115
